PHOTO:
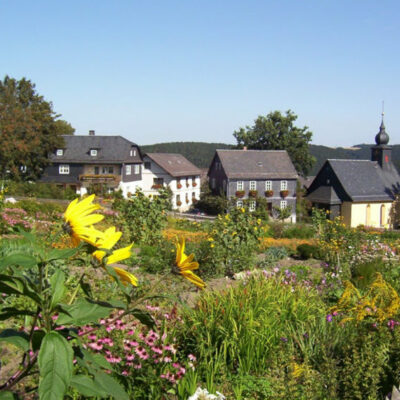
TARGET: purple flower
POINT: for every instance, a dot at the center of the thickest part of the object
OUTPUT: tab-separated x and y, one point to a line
329	317
284	340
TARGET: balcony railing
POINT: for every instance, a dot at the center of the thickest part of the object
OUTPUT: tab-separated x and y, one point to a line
100	178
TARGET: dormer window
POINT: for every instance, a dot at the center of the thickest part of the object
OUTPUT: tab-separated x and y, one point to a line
133	153
93	152
60	152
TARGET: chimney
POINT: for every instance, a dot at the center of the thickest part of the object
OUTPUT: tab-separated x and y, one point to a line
91	133
244	148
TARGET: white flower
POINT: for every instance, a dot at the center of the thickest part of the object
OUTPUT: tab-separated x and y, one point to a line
202	394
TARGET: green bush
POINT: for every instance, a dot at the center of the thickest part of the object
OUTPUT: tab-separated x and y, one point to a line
156	259
33	207
231	244
273	255
141	218
40	190
306	251
296	231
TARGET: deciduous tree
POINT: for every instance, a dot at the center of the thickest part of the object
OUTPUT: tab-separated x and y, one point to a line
278	132
29	129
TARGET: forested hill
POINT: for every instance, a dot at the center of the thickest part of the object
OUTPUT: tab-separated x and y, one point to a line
201	154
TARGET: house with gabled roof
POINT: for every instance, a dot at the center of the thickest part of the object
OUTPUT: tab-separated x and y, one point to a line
173	171
251	174
108	162
361	191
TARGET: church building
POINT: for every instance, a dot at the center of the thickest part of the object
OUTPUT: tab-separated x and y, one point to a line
361	191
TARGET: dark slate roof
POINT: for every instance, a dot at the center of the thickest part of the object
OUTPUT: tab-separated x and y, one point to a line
306	181
112	149
175	164
257	164
365	180
324	195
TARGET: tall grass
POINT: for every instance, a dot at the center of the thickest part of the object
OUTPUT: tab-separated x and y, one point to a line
243	327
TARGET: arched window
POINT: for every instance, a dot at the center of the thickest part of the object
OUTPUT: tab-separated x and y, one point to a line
368	216
383	215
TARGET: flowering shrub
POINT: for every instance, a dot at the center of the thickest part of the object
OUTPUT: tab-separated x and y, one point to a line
134	351
15	218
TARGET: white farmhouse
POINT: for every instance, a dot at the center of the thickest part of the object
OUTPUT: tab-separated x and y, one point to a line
175	171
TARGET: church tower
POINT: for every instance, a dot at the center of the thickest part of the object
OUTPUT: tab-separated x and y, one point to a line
382	153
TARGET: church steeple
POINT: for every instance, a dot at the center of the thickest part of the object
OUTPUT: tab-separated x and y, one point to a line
382	153
382	138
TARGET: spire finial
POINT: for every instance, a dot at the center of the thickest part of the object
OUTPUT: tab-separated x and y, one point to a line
382	138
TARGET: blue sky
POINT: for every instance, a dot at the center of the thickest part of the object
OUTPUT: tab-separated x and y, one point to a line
158	71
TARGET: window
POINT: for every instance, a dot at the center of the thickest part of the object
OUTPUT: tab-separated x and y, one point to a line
178	200
239	185
284	185
63	169
96	170
137	169
213	183
239	204
128	169
108	170
158	182
147	165
253	185
60	152
187	197
283	204
93	152
268	185
217	165
252	206
194	196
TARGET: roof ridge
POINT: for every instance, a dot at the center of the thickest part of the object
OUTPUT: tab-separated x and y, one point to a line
250	150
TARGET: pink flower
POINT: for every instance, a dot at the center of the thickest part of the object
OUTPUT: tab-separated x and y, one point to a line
192	357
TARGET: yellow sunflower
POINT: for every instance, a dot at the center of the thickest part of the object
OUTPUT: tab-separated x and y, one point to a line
79	219
106	241
186	265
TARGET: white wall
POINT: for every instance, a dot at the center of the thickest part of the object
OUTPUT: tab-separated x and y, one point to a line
157	172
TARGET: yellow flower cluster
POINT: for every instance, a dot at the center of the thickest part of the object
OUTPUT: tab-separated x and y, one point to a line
79	221
284	242
195	237
380	302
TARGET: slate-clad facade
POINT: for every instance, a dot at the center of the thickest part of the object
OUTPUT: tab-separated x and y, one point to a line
111	162
248	174
361	191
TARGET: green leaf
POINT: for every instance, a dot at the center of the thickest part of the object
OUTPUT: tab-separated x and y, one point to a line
86	386
19	286
12	312
21	259
55	365
83	312
96	360
144	317
8	396
19	339
61	254
37	339
57	287
110	386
